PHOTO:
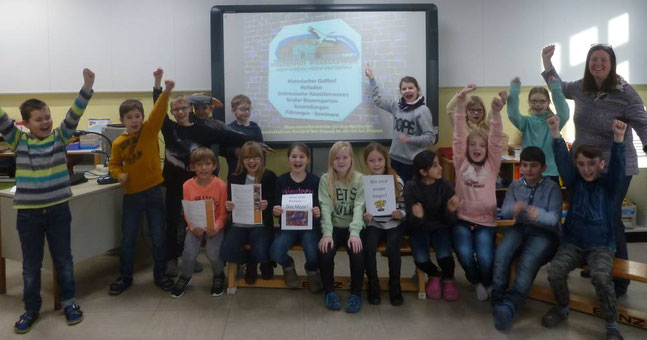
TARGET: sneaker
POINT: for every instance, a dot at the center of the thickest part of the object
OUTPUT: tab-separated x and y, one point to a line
290	276
450	290
172	268
395	293
354	304
165	283
180	286
554	316
73	314
503	316
24	323
314	278
614	334
433	288
119	285
481	292
267	271
331	300
218	285
251	273
241	270
198	267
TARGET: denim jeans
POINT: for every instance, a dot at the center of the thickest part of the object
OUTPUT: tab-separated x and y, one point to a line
393	236
405	171
287	238
258	238
33	226
474	246
327	262
532	247
421	239
151	203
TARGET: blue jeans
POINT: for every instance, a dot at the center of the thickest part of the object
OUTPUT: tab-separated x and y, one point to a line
150	202
532	247
422	239
33	226
258	238
286	238
471	240
405	171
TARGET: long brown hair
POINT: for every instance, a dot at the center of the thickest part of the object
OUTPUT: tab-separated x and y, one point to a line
373	146
251	149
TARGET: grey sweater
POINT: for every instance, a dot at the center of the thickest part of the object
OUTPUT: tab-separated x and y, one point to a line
416	124
595	112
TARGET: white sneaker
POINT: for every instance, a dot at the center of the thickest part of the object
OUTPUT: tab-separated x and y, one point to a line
481	292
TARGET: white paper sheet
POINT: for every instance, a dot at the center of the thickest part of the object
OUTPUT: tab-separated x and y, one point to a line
199	214
247	204
379	193
297	212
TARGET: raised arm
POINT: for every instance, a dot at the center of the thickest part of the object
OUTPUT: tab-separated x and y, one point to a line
496	129
8	130
563	111
157	85
616	173
71	121
384	104
160	109
460	124
563	160
514	114
568	88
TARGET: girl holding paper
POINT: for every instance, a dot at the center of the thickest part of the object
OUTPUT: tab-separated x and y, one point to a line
341	195
383	227
298	181
251	170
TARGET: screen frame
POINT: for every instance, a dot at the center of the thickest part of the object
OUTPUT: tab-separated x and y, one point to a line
431	22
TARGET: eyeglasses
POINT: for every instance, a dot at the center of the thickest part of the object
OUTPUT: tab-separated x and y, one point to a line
251	158
244	109
540	101
181	108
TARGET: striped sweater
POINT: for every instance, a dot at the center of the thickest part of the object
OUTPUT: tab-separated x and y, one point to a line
41	164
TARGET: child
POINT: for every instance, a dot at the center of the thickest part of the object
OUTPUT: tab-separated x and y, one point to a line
534	129
477	158
589	230
476	116
413	129
135	163
341	195
181	137
298	181
42	192
431	212
383	227
536	205
251	170
204	186
241	106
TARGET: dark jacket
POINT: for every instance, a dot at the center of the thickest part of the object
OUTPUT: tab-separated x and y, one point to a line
434	199
268	183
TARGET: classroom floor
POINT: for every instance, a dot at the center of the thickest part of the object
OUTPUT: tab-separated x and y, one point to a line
145	312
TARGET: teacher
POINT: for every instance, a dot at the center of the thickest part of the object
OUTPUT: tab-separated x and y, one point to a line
600	97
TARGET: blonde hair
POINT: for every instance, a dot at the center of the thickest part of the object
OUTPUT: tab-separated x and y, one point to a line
373	146
180	99
473	101
332	174
251	149
477	132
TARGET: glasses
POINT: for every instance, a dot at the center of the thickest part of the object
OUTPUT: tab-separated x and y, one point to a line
244	109
181	108
475	110
540	101
251	158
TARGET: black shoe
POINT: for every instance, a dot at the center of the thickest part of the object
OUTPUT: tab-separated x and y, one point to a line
164	282
218	285
73	314
251	273
25	322
554	317
373	291
180	286
119	285
395	293
614	334
267	271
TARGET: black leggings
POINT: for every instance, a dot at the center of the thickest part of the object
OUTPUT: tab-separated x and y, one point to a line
372	237
327	262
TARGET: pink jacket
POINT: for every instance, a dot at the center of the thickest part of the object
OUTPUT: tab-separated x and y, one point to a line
476	185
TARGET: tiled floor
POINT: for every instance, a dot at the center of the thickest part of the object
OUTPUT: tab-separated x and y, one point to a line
145	312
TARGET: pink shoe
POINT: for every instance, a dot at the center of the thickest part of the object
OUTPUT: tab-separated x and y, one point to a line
450	290
433	289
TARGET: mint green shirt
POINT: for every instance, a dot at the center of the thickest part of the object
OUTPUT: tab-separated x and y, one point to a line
348	209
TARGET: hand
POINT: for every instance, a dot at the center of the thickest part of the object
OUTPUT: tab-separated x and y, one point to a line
532	213
497	104
88	79
355	244
417	210
519	208
403	138
397	214
157	75
263	204
453	203
211	232
268	149
619	129
168	86
547	52
325	244
516	80
367	217
277	210
369	72
465	90
196	231
316	212
123	178
216	104
229	206
553	125
503	94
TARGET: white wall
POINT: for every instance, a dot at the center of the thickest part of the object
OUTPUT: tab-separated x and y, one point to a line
46	43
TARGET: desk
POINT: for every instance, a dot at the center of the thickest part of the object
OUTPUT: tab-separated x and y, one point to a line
69	153
95	229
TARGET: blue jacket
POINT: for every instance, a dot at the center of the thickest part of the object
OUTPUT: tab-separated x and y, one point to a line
589	222
546	196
